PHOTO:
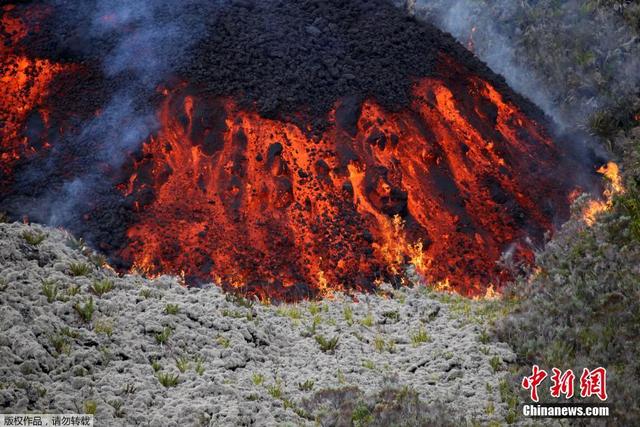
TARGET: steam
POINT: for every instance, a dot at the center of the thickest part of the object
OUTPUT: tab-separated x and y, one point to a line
144	42
580	62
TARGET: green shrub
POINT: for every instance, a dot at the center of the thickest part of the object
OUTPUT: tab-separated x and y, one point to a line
85	310
367	320
90	407
172	309
182	363
306	386
50	290
168	379
101	287
275	389
33	238
327	345
420	337
77	269
257	378
163	336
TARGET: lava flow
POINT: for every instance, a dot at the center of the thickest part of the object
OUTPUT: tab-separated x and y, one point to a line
448	184
23	88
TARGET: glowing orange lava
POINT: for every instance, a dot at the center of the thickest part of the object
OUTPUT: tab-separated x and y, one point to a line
23	88
448	185
614	186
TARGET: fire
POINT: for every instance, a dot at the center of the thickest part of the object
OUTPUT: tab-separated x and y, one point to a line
614	186
225	193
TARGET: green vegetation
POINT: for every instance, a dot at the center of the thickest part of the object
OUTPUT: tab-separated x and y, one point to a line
101	287
73	290
327	345
90	407
50	290
420	337
117	405
104	326
367	320
348	314
172	309
168	379
85	311
34	238
257	378
275	389
145	293
199	368
163	336
306	386
182	363
155	365
77	269
223	341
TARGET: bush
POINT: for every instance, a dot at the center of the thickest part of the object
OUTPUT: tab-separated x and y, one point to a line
167	379
327	345
85	310
49	290
33	238
101	287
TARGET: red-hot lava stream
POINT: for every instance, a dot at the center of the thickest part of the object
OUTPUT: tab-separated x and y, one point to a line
23	89
448	184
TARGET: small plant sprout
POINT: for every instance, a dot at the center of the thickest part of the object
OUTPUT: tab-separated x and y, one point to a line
420	337
145	293
369	364
378	343
104	327
90	407
3	284
60	343
314	308
101	287
155	365
117	405
129	388
223	342
275	389
163	336
85	310
306	386
199	368
98	260
171	309
495	363
50	290
257	378
327	345
73	290
77	269
348	314
182	363
367	320
168	379
33	238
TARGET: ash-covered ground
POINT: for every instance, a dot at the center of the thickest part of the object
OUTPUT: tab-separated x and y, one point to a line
406	356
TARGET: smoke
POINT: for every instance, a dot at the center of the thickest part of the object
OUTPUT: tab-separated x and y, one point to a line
140	44
567	58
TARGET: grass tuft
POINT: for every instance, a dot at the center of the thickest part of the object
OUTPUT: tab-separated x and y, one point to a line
168	379
77	269
85	311
327	345
33	238
171	309
101	287
49	290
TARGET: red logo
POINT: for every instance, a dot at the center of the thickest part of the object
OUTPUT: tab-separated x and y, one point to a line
532	382
592	383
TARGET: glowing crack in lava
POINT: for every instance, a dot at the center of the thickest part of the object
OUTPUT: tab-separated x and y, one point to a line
448	184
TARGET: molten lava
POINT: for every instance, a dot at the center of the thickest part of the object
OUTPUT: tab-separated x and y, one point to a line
23	88
448	185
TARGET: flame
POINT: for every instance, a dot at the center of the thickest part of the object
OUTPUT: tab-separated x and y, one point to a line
225	193
613	187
